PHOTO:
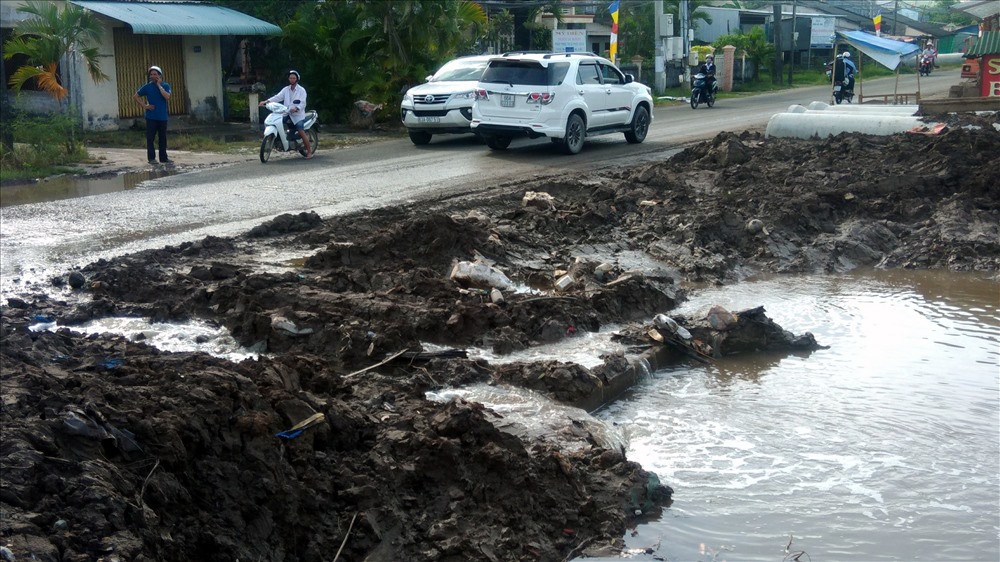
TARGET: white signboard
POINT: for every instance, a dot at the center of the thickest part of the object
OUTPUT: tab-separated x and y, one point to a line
569	41
822	33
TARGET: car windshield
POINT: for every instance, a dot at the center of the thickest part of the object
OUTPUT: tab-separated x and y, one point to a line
526	72
458	71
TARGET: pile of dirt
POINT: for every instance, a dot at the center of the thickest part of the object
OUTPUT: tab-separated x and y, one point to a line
115	450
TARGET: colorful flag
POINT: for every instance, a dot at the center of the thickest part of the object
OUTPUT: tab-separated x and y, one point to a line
613	8
878	24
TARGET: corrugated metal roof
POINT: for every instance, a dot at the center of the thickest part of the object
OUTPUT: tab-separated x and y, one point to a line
987	44
161	18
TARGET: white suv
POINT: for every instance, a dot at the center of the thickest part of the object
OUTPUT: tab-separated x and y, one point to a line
564	96
444	103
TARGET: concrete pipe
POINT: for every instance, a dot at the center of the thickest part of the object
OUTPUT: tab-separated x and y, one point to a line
874	109
820	125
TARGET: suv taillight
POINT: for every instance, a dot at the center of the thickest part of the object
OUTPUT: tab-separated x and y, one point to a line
543	98
481	94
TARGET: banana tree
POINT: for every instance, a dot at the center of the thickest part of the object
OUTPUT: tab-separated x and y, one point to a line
49	36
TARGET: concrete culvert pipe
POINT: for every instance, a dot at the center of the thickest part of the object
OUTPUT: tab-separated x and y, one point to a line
820	124
877	109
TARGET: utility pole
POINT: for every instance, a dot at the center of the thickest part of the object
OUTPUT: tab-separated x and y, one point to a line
895	14
659	57
776	76
795	44
685	44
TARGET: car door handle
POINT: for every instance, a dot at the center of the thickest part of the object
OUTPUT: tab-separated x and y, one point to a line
608	91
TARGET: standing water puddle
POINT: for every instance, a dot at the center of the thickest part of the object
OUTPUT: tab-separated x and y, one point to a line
69	187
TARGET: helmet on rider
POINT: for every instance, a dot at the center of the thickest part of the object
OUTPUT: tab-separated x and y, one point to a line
710	58
296	73
847	55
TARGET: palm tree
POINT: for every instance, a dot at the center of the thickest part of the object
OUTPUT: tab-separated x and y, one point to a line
47	38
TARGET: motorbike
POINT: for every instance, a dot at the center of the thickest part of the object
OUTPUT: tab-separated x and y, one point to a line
841	91
700	93
926	63
280	133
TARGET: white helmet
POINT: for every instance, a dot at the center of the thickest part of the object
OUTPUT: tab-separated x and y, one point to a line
847	55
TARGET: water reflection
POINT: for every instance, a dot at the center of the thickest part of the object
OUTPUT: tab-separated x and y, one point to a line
68	187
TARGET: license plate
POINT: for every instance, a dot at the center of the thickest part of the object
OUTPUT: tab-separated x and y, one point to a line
836	88
428	119
506	100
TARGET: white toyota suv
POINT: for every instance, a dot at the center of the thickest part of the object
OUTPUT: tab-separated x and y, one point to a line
444	103
564	96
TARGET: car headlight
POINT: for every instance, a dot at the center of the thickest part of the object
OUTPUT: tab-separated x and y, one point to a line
407	98
470	95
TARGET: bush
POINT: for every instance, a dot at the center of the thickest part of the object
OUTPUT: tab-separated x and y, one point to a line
237	106
41	142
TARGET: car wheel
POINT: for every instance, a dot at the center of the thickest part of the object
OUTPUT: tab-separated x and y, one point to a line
496	142
265	148
576	132
420	138
640	126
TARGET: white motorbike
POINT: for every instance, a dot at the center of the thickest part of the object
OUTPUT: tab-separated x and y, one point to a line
280	133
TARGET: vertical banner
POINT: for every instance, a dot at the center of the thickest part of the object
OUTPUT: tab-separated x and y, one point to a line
613	8
878	23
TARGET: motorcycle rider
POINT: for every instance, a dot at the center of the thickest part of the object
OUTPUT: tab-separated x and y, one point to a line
708	69
849	71
930	54
293	96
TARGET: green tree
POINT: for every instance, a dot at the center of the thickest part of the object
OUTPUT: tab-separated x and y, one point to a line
351	50
49	36
754	44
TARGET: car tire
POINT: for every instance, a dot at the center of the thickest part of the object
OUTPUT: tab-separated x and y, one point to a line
497	142
640	126
576	134
420	138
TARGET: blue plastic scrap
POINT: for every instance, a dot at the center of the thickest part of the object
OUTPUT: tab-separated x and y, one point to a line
300	427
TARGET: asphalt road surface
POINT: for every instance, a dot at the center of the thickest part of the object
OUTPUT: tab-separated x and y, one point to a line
40	240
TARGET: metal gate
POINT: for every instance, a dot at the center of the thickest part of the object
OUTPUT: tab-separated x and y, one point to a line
134	54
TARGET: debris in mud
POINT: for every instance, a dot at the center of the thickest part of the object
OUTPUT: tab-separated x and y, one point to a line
400	476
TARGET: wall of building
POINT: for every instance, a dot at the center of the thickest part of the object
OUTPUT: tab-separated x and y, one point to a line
203	75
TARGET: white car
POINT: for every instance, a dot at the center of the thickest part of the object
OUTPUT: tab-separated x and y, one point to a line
444	103
564	96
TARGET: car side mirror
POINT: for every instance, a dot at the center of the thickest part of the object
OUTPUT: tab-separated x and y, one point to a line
428	77
629	78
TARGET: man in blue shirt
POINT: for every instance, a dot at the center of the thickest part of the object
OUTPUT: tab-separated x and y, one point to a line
849	70
156	93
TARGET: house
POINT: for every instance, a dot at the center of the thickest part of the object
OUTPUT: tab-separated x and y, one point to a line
181	37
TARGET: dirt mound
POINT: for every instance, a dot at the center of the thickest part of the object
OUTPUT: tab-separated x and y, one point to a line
115	450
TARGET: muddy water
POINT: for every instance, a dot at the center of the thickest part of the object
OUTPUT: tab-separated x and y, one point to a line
884	447
68	187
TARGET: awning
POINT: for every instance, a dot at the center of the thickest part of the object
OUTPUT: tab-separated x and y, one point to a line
987	44
887	52
979	10
156	18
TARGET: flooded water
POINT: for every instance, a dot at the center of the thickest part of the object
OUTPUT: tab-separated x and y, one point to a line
883	447
886	446
69	187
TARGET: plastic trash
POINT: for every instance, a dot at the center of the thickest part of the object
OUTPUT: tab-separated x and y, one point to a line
664	322
564	282
300	427
480	275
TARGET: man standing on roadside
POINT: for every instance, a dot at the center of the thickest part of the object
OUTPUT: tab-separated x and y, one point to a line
156	93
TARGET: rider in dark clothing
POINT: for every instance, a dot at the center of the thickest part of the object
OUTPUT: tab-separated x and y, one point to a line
708	69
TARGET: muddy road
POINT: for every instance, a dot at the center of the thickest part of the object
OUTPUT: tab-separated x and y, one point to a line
42	239
328	446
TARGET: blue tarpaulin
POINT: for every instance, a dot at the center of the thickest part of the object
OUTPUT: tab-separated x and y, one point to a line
887	52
